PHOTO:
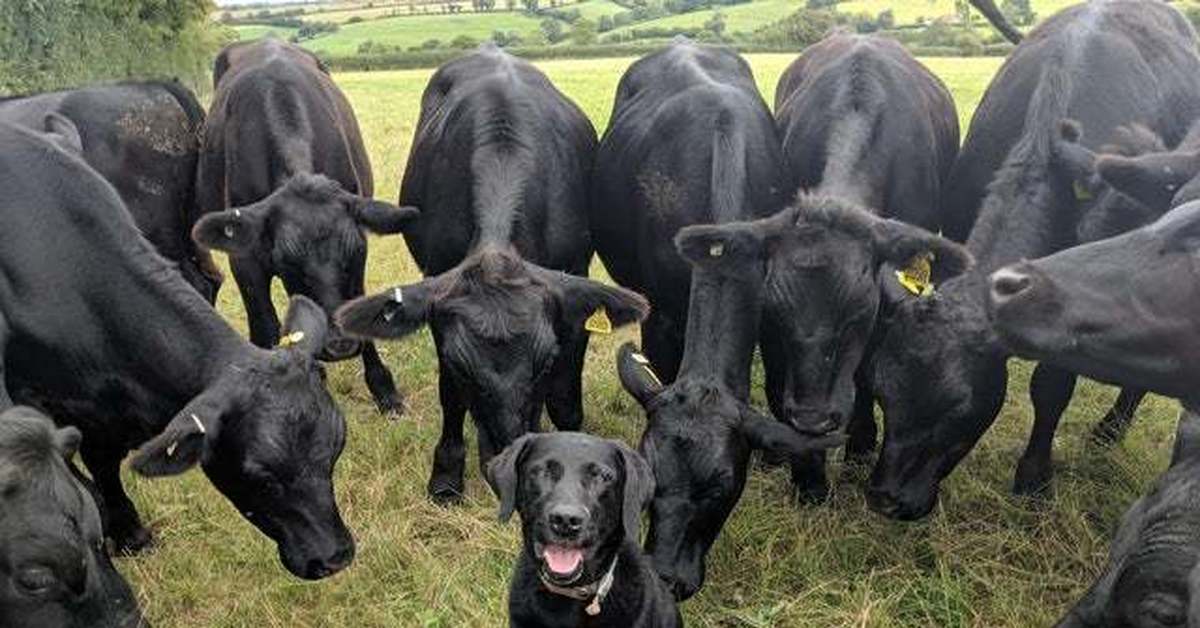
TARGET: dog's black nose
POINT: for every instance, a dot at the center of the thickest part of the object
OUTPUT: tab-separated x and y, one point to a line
567	521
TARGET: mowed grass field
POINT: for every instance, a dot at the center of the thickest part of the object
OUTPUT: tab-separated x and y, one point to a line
983	558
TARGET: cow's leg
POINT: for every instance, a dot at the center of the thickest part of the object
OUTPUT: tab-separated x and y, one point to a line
774	360
1111	429
808	478
663	346
1050	389
449	457
863	432
388	399
255	285
564	403
120	518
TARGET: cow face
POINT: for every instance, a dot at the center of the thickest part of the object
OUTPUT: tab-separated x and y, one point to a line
1119	310
499	322
698	441
268	436
309	232
1152	579
823	283
54	568
580	497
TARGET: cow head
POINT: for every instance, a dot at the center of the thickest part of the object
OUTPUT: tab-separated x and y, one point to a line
1120	310
54	568
1152	579
499	322
309	232
938	369
825	274
268	434
699	430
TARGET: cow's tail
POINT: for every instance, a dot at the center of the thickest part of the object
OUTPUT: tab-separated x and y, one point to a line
501	170
993	14
187	101
728	168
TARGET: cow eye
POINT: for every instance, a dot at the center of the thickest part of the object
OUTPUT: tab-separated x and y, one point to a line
36	581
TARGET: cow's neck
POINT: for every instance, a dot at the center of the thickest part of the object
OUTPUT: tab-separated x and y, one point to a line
722	328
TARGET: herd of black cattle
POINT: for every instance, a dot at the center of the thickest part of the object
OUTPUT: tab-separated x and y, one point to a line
1085	153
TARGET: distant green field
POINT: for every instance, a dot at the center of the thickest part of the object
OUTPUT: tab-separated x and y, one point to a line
983	559
594	9
415	30
909	11
739	18
258	31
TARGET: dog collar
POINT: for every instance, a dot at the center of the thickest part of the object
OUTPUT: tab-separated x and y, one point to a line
595	591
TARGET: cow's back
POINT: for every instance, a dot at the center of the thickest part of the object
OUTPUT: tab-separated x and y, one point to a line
674	118
1129	62
276	113
861	119
489	120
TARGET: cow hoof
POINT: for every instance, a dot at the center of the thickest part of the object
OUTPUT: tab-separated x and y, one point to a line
137	541
1032	482
812	494
445	493
392	406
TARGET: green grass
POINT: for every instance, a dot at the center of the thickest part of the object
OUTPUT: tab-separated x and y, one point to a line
594	9
415	30
984	558
910	11
258	31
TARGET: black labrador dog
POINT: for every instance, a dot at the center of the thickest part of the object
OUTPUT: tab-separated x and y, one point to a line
581	500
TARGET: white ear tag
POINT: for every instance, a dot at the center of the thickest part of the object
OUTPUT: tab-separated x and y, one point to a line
716	250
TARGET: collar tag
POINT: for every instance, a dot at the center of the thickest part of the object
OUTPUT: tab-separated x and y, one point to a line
598	322
915	277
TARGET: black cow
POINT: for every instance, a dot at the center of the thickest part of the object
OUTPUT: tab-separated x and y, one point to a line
1119	310
866	124
104	335
1152	578
691	141
500	166
54	568
581	500
939	369
700	429
143	138
282	149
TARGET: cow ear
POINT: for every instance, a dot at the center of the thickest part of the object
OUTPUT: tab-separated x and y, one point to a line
305	327
394	313
580	299
898	243
638	378
63	132
639	490
381	217
766	434
188	438
503	474
732	248
68	440
1151	179
236	231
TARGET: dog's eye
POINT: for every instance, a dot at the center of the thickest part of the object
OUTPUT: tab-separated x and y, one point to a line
601	474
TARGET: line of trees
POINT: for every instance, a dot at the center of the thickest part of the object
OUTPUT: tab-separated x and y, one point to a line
51	44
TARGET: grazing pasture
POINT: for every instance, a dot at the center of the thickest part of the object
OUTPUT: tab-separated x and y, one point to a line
984	558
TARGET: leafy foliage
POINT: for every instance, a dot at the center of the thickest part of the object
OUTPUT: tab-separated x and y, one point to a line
51	44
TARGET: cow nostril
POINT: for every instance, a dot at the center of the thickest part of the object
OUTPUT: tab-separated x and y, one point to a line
1008	283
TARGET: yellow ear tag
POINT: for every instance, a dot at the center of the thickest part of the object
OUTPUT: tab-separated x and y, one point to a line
1082	194
291	339
598	322
641	359
916	276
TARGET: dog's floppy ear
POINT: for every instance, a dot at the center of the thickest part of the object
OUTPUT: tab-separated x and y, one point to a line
502	474
639	490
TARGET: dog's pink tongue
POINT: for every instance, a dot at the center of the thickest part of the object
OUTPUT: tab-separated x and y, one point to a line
562	560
